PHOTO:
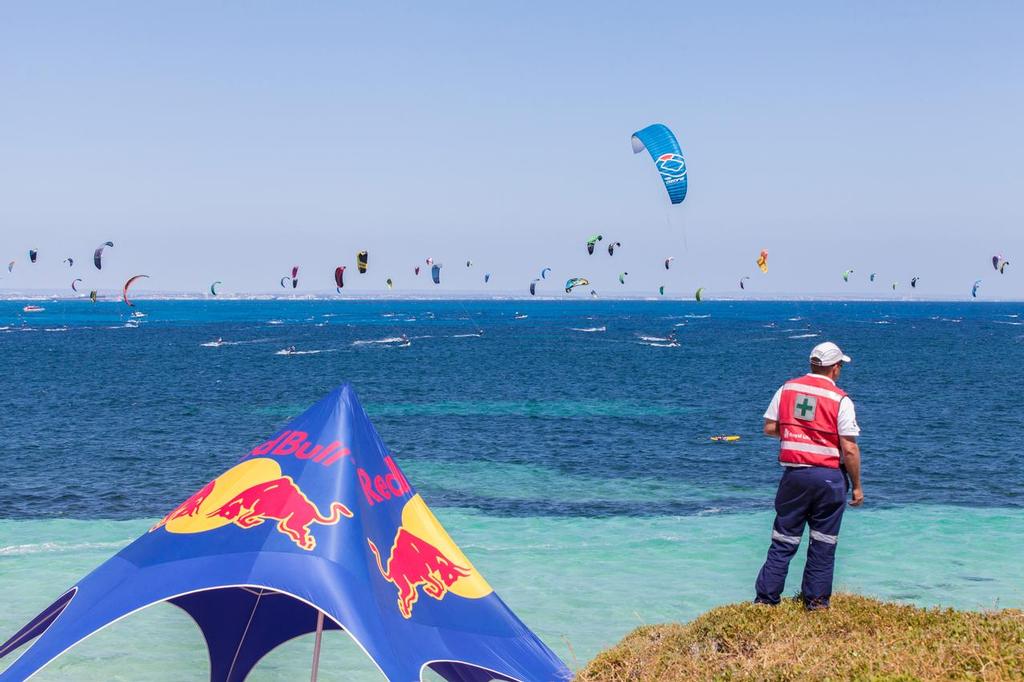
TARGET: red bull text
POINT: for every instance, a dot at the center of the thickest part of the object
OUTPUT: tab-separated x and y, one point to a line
297	443
380	488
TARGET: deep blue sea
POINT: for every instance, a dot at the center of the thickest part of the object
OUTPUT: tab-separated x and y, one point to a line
565	446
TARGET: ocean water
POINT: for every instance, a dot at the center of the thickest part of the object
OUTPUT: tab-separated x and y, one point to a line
566	451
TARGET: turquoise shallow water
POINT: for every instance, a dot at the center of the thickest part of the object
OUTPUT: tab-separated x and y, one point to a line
572	467
580	583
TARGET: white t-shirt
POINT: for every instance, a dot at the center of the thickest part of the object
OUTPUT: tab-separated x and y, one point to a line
847	414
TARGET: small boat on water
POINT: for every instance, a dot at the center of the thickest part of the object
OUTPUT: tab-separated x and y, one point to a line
725	439
33	309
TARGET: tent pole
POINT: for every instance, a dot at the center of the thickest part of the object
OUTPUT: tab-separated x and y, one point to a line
316	644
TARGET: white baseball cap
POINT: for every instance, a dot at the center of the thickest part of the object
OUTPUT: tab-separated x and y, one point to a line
827	354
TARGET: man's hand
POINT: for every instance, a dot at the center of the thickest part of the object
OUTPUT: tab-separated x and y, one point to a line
851	460
771	428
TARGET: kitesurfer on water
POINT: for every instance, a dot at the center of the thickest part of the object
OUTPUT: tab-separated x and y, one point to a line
817	429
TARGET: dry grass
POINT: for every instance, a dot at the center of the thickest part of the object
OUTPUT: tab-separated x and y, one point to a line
857	639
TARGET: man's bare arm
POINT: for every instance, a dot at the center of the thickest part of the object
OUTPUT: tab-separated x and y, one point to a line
771	428
851	460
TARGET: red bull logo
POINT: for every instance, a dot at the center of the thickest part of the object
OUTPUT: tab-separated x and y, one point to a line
246	496
423	555
414	562
283	501
189	507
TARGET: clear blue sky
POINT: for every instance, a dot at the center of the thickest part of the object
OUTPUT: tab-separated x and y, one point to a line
231	140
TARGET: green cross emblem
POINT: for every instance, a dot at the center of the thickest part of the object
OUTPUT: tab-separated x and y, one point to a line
805	406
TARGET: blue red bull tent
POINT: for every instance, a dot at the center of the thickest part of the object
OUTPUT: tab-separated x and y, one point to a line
317	524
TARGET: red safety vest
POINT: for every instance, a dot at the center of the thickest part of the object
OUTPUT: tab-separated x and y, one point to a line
809	422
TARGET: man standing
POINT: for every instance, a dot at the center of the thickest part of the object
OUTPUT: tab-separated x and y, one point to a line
816	425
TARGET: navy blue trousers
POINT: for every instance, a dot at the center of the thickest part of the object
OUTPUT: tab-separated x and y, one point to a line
815	496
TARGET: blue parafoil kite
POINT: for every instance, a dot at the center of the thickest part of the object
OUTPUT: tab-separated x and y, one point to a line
435	273
661	144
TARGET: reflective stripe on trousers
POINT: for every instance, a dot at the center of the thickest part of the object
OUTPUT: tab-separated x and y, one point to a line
821	537
788	539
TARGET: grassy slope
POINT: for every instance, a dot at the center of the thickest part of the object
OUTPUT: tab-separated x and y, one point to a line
858	639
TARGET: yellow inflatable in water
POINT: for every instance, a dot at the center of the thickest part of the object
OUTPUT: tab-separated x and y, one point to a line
727	439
